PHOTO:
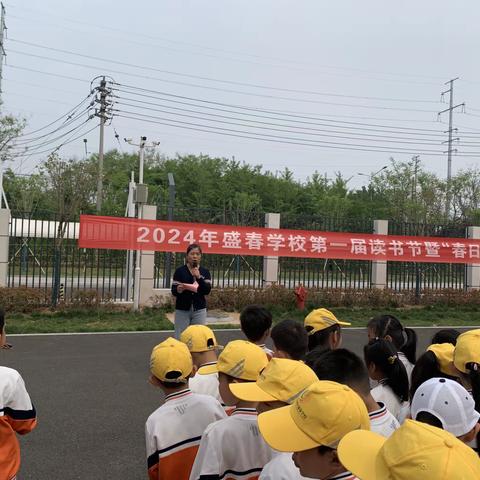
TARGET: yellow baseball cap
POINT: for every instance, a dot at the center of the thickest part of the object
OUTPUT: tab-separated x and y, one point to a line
171	361
321	415
282	379
444	355
239	359
199	338
320	319
414	451
467	350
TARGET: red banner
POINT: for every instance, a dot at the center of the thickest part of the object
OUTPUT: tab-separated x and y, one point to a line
132	234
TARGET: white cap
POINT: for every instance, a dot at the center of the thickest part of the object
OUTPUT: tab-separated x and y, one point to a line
449	402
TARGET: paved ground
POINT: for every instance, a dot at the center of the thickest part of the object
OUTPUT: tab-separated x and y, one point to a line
92	398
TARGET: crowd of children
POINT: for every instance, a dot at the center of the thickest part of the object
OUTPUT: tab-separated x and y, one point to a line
311	409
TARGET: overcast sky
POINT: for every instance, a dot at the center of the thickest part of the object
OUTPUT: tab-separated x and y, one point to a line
401	53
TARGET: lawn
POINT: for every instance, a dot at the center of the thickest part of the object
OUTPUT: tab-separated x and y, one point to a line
155	319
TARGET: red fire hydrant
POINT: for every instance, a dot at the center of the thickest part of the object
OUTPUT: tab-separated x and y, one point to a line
300	296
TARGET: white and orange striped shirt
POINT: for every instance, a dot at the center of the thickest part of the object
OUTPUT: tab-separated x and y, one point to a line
17	415
173	433
382	421
232	449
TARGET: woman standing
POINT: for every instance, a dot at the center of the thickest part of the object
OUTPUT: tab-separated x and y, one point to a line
191	283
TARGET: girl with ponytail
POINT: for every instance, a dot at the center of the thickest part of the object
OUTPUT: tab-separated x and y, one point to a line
466	359
389	328
384	365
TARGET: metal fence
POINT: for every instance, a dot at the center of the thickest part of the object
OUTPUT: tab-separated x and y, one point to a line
39	259
325	273
418	276
226	270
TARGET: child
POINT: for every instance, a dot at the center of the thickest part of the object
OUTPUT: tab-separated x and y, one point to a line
436	362
173	431
415	451
313	425
384	365
466	359
18	416
3	334
446	335
345	367
232	447
279	384
324	329
202	344
256	322
445	404
389	328
290	340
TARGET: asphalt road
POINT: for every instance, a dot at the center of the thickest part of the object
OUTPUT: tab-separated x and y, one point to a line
92	399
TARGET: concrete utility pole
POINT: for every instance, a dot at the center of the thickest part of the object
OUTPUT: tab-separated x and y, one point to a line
102	113
140	198
450	140
3	28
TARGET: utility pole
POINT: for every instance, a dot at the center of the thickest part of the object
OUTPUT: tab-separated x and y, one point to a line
450	140
101	114
140	198
3	28
415	162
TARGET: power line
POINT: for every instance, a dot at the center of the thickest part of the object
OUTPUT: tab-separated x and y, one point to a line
275	139
139	103
271	126
32	70
175	82
251	109
128	34
216	80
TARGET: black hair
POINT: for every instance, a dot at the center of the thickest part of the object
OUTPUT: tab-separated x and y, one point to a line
429	419
2	318
320	339
341	366
447	335
291	337
193	246
404	339
255	321
427	367
383	355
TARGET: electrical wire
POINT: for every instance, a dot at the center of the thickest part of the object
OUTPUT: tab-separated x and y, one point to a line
216	80
196	126
175	82
277	139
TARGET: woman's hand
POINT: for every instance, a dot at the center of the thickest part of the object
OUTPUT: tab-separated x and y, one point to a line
195	272
180	288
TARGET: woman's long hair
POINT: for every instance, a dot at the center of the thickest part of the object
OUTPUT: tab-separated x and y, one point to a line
404	339
383	355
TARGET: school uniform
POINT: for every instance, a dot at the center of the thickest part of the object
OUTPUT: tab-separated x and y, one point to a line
281	467
407	364
382	393
345	476
17	415
173	433
232	449
267	351
382	421
206	384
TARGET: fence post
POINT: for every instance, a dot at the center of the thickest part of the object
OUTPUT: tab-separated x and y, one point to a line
473	271
270	264
379	268
147	261
4	241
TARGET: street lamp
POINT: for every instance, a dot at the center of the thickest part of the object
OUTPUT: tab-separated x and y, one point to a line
370	176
